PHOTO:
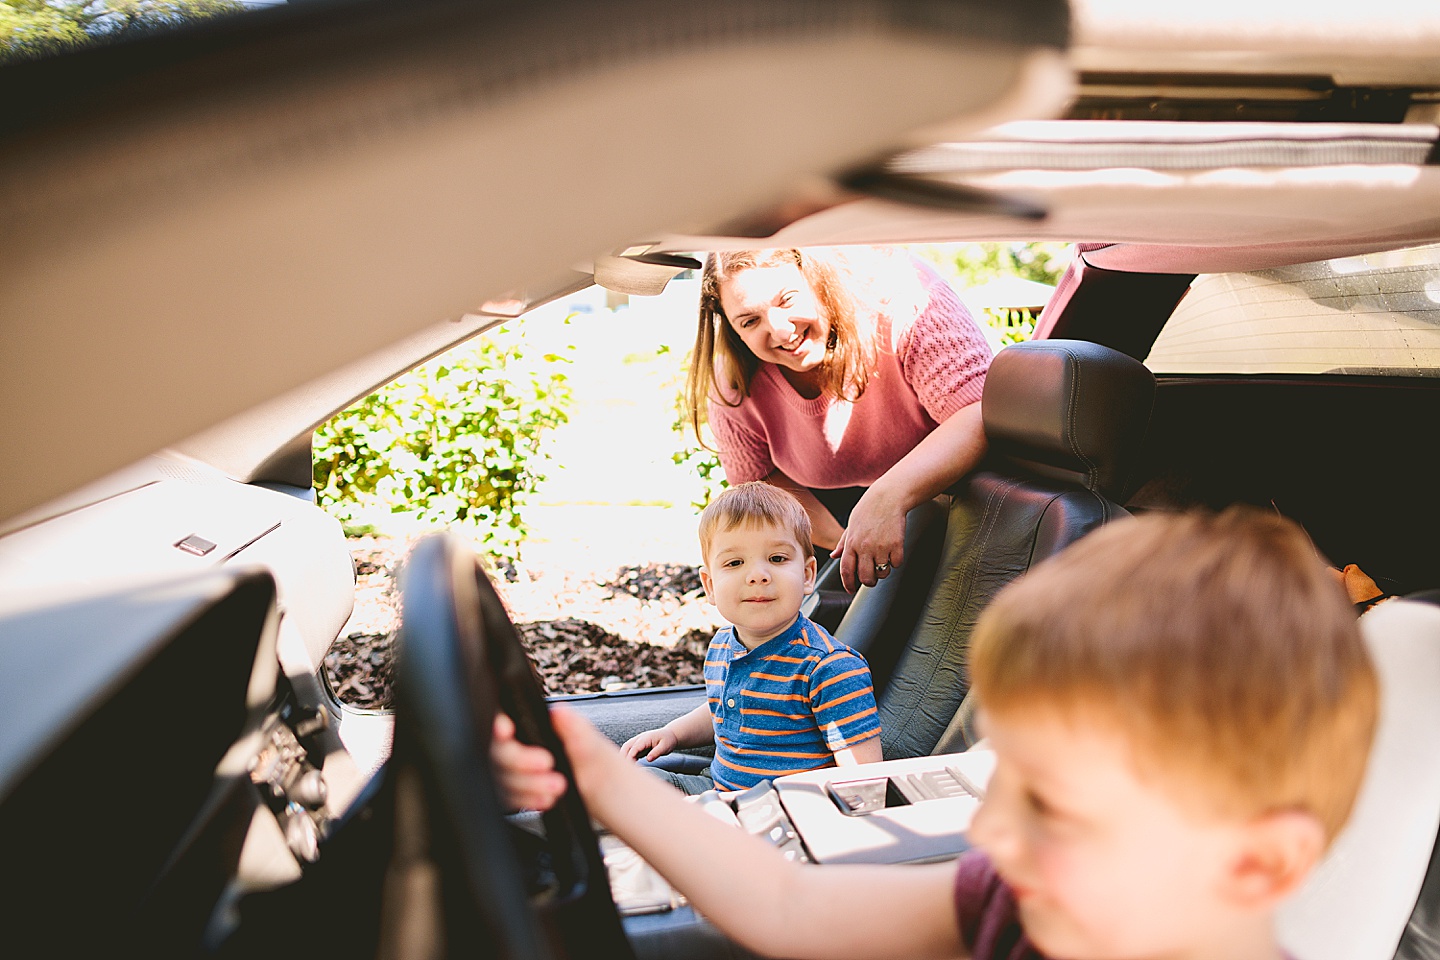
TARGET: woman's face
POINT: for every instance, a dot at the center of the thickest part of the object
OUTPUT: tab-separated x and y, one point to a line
776	314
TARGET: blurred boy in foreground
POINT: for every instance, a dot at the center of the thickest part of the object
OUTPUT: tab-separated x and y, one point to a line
1180	709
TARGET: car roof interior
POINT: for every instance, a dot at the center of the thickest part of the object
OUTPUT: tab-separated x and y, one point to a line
209	228
353	167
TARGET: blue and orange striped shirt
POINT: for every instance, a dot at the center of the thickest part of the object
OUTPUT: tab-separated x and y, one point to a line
787	705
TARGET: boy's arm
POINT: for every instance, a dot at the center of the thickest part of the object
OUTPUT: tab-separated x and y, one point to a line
763	901
842	701
867	751
694	729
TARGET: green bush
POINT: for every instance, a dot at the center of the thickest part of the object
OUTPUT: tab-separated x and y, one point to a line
972	264
457	439
1013	326
699	459
31	28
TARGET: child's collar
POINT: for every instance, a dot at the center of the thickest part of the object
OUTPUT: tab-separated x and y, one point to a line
786	636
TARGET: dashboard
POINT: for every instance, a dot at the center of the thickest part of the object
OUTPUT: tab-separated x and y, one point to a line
166	743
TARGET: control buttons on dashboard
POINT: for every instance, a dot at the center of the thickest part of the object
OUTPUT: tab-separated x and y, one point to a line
293	788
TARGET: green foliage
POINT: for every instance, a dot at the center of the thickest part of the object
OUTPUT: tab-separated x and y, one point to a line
697	458
1014	326
700	460
975	263
457	439
971	264
35	27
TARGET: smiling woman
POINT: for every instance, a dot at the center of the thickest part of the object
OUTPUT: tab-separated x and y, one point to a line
852	380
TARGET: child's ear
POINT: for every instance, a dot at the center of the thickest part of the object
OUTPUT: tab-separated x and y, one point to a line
1276	854
705	582
810	573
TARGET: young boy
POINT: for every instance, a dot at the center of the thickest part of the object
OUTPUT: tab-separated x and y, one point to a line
783	695
1180	709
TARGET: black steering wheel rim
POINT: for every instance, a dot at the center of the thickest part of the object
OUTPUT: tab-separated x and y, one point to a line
460	660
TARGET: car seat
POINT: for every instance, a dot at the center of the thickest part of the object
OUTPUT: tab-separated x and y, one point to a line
1064	420
1376	895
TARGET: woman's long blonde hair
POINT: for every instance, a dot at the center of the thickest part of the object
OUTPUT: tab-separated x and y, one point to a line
721	366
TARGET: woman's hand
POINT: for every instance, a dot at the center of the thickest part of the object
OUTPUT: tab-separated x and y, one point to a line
651	744
874	542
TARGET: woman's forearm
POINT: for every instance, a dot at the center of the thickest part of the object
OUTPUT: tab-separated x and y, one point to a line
946	454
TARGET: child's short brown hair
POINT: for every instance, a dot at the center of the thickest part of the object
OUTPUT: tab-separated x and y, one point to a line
755	502
1219	646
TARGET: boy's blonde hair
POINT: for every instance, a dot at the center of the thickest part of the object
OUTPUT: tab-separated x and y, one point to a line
1217	644
754	503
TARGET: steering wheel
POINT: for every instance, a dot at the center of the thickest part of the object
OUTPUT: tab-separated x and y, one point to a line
459	660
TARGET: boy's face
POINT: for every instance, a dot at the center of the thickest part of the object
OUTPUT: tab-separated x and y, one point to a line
757	575
1103	863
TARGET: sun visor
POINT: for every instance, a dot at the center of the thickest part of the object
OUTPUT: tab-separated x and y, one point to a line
198	222
624	275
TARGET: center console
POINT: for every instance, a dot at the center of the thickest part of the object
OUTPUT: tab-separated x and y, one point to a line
896	811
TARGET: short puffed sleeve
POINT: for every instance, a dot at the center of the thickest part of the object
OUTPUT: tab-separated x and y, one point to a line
744	449
943	353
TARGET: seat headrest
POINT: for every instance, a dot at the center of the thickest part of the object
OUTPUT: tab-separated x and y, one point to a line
1069	410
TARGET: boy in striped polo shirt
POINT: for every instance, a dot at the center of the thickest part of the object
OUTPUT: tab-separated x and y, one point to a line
783	695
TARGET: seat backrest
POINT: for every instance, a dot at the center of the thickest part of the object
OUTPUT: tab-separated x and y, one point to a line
1064	421
1376	895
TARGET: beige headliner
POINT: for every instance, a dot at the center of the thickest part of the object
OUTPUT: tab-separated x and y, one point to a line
1340	208
163	275
1361	42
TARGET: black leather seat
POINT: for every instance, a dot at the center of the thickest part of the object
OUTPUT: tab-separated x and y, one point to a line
1065	420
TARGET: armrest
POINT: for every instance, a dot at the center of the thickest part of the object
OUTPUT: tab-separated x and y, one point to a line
679	763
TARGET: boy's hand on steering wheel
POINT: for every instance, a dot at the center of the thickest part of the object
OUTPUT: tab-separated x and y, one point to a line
526	774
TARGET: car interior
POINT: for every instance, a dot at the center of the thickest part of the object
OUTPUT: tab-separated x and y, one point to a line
219	236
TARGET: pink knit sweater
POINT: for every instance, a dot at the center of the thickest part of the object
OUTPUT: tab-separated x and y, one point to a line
929	365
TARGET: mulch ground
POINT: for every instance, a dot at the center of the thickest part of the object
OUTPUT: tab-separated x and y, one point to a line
586	631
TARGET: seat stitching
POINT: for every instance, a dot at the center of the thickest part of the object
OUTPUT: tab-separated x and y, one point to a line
1071	405
991	518
1035	541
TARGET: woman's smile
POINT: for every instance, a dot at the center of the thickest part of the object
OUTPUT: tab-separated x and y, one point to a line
793	345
